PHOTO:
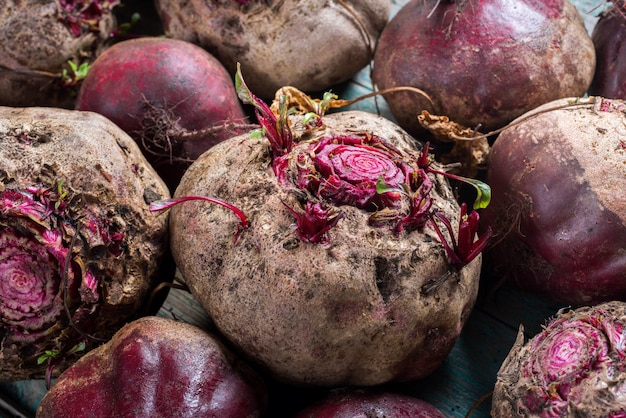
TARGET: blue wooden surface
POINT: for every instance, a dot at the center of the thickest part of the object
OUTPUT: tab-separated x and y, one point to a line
469	372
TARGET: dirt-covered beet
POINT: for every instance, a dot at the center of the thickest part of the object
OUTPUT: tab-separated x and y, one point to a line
310	45
573	368
80	250
318	292
174	98
558	204
482	63
38	38
351	402
609	39
157	367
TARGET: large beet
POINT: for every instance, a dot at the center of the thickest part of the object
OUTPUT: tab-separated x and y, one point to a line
573	368
333	282
157	367
310	45
79	249
609	39
559	207
38	38
483	63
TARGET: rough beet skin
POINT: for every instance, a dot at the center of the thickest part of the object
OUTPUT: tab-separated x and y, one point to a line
482	63
558	205
310	45
79	249
322	287
38	38
157	367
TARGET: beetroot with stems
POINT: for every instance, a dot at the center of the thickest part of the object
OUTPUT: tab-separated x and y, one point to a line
157	367
310	45
609	39
348	267
482	63
39	38
175	99
351	402
80	251
559	207
575	367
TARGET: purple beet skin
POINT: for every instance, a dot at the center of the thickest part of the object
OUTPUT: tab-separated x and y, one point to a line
609	39
350	403
157	367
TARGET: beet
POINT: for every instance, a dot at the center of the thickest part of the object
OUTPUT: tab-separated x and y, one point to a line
558	205
157	367
310	45
329	282
482	63
175	99
609	39
80	251
38	38
349	403
575	367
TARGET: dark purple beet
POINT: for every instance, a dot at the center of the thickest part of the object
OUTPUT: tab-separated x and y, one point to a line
157	367
609	39
483	63
350	403
174	98
558	207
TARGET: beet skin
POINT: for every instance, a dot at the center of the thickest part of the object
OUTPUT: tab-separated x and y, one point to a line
350	403
609	39
351	304
482	63
157	367
162	92
558	204
80	251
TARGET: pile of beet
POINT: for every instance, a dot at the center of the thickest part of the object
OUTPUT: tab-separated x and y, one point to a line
337	255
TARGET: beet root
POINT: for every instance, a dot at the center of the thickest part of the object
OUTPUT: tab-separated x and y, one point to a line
282	43
38	38
558	205
573	368
157	367
609	39
479	68
349	304
349	403
175	99
80	250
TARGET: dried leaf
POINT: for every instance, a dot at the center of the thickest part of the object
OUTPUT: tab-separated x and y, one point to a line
470	147
301	103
